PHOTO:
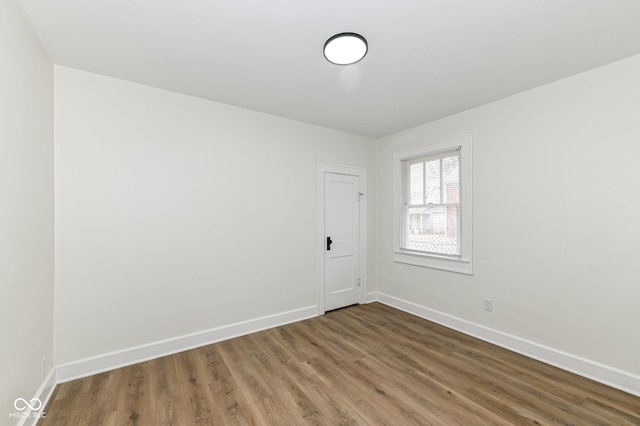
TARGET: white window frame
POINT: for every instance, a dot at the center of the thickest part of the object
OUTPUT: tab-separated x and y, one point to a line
464	263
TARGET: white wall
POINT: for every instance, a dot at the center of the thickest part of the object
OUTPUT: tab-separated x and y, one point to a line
26	215
556	226
176	215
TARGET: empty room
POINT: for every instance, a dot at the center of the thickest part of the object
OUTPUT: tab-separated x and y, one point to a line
294	212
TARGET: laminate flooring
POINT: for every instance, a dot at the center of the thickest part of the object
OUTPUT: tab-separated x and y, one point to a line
362	365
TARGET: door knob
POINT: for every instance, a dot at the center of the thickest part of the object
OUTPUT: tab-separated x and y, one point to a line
329	243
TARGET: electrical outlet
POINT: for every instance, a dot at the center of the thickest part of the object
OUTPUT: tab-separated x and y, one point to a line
43	367
488	305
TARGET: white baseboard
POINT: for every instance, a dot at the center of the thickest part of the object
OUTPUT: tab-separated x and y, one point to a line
611	376
43	393
110	361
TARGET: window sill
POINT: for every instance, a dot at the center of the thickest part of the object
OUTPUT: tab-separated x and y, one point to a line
462	266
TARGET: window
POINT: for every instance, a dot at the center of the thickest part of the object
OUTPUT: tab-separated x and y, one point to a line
432	185
431	204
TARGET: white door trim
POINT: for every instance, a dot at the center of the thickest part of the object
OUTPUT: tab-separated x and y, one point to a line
362	174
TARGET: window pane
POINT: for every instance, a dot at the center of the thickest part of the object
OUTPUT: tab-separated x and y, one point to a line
432	181
451	179
416	184
453	229
434	230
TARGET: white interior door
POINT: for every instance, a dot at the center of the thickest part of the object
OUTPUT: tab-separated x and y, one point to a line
342	240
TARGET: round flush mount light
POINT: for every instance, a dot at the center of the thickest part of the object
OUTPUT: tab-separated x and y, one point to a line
345	48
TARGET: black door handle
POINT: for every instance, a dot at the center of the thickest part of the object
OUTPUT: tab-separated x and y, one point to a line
329	243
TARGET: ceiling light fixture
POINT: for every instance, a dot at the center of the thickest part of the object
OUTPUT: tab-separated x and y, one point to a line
345	48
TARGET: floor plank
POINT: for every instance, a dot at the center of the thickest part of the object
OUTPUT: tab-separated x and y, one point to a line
364	365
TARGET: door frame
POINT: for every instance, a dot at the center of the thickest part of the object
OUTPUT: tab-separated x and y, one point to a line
361	172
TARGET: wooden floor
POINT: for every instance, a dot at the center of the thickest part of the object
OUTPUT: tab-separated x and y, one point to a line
364	365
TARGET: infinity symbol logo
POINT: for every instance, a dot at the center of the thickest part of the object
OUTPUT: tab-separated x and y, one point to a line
22	404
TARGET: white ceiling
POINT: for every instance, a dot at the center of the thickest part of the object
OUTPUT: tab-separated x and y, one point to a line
427	58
